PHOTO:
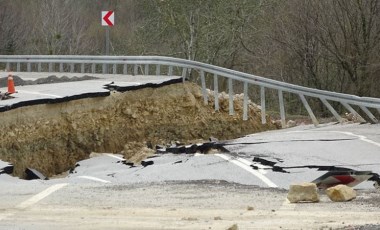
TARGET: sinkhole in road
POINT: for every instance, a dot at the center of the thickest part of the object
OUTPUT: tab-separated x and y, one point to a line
52	137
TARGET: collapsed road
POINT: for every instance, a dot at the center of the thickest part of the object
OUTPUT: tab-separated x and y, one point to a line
94	115
183	185
205	190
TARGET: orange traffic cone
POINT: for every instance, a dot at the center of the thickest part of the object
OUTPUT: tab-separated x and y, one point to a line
11	84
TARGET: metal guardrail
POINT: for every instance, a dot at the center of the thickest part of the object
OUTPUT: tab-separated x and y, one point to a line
17	62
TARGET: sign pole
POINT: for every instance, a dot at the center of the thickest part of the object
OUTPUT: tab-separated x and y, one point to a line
107	46
108	20
107	40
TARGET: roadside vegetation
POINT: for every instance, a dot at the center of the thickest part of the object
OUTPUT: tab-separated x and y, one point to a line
325	44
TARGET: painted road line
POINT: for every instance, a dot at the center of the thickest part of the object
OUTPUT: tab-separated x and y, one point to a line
33	200
261	168
114	156
94	179
6	215
263	178
361	137
38	93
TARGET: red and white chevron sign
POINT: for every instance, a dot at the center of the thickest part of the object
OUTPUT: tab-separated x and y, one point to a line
349	178
108	18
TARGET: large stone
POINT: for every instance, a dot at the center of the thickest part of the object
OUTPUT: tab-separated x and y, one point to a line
305	192
341	193
291	124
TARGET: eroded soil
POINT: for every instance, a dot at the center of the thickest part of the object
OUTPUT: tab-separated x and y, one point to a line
53	137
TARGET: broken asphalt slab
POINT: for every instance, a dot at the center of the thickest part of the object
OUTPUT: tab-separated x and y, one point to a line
305	153
33	174
6	167
192	148
93	86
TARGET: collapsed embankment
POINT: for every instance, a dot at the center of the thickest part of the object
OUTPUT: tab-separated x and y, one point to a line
53	137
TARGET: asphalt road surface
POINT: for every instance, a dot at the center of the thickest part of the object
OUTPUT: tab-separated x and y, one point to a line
61	91
212	191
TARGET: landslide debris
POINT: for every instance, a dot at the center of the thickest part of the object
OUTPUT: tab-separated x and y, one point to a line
51	138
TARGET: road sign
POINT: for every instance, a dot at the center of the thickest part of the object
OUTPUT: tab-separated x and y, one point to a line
108	18
349	178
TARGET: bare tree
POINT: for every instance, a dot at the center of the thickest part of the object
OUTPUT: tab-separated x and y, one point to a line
60	28
350	31
12	28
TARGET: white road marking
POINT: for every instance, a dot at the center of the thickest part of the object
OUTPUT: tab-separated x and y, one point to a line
40	196
260	166
114	156
94	179
38	93
6	215
34	199
249	169
361	137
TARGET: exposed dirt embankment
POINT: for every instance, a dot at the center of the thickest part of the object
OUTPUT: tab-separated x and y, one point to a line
52	137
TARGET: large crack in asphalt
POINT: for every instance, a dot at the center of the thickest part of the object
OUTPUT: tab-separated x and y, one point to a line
296	140
219	146
284	169
329	168
54	79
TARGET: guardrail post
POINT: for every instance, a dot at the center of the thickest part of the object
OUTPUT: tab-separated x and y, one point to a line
351	110
104	68
50	67
39	67
231	96
82	67
125	69
369	114
184	71
332	110
71	67
262	98
8	66
60	67
203	83
282	108
28	67
216	93
245	102
18	67
135	69
307	107
170	72
146	70
93	68
158	70
114	69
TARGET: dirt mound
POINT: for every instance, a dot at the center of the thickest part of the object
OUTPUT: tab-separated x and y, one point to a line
53	137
